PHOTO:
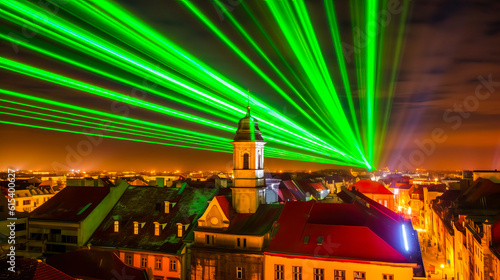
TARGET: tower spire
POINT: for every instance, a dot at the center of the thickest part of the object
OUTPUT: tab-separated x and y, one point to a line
248	102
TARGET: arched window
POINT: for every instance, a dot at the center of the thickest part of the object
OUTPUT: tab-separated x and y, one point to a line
245	161
260	160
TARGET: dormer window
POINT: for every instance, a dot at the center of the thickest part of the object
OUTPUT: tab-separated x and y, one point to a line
179	230
157	228
136	227
116	226
167	207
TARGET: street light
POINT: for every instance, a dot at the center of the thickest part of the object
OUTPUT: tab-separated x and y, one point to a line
442	271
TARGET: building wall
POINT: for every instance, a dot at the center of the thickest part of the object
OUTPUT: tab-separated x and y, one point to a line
372	271
220	265
461	256
51	237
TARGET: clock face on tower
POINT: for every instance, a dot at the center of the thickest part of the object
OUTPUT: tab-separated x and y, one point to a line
214	220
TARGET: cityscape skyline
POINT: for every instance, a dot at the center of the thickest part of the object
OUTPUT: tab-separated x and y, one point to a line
425	91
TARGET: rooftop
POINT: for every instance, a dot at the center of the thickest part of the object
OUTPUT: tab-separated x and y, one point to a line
145	205
71	204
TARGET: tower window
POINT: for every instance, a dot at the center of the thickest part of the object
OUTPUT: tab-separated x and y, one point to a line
245	161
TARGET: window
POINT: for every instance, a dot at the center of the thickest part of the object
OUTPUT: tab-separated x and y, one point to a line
306	239
319	274
136	228
17	202
157	229
173	265
239	273
128	259
117	226
144	261
158	264
359	275
209	269
210	239
245	161
339	274
388	276
279	271
26	202
320	240
297	272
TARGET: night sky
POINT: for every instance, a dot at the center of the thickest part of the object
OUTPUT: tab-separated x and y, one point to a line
451	49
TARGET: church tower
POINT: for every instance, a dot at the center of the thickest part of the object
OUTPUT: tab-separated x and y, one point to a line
248	189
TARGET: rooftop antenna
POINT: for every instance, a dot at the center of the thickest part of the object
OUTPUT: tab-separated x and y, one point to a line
248	101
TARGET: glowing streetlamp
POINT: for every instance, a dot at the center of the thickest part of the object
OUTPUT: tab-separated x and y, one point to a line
442	271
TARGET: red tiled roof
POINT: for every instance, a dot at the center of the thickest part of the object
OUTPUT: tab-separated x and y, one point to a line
224	205
437	188
368	186
290	185
349	231
286	195
71	204
32	269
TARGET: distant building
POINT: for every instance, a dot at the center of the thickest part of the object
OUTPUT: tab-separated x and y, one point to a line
375	191
492	175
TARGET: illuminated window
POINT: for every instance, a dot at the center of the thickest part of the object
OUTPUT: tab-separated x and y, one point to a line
158	263
297	272
387	276
136	227
245	161
179	230
117	226
144	261
279	272
359	275
319	274
129	259
157	229
173	265
339	274
239	273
